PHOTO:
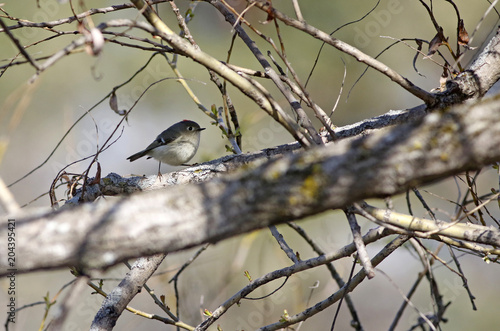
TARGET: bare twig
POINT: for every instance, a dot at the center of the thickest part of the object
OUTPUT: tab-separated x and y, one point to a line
341	89
360	246
424	204
175	279
407	300
464	279
478	25
470	232
407	297
337	311
22	23
283	245
298	12
19	46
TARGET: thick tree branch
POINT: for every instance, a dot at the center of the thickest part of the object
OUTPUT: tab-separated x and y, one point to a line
114	184
303	184
120	296
474	82
461	231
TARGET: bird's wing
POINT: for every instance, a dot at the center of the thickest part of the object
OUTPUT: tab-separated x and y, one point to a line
159	141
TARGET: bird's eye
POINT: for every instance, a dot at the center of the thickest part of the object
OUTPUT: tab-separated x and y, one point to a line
190	128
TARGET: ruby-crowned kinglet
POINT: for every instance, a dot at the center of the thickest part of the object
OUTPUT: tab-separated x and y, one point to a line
175	146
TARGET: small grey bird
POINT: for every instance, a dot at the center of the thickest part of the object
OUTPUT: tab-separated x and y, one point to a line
175	146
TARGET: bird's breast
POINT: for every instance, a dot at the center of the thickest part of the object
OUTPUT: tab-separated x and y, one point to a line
174	153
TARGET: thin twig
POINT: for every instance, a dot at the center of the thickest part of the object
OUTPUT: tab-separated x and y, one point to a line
341	89
19	46
283	245
297	10
424	204
407	300
407	297
464	279
337	311
316	61
313	287
22	23
360	246
175	279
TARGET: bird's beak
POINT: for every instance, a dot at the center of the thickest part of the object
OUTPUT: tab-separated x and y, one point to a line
201	129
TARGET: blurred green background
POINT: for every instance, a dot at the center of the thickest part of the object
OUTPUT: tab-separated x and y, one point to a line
34	117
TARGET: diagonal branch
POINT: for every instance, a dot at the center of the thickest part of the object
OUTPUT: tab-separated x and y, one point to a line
363	256
19	46
120	296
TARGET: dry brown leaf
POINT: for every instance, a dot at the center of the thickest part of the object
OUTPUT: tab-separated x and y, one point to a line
97	178
113	104
435	43
463	36
270	15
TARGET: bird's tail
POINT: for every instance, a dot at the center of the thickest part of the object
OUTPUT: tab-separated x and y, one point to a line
137	155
